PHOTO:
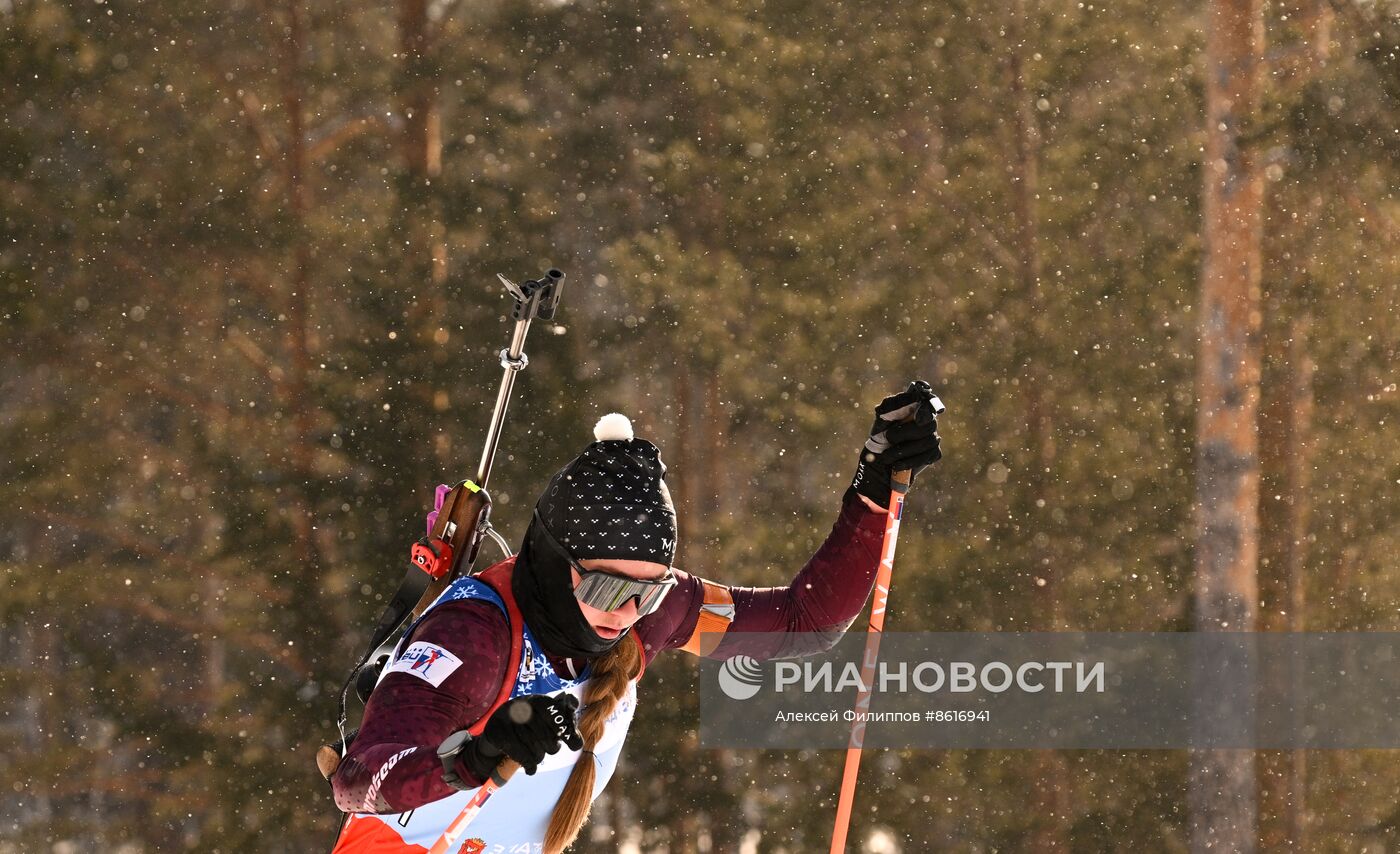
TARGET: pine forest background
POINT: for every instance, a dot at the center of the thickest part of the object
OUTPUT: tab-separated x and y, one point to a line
249	319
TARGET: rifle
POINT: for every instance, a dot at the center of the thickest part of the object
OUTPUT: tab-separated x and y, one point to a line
463	522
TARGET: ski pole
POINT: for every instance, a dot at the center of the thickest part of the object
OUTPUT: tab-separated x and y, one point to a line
503	773
899	487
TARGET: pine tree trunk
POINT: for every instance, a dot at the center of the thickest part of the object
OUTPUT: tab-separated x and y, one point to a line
1222	787
1296	550
421	144
298	298
1288	423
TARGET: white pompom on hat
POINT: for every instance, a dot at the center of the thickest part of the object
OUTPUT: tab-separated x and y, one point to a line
613	427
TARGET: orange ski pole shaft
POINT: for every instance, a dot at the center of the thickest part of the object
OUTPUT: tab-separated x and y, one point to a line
454	831
900	482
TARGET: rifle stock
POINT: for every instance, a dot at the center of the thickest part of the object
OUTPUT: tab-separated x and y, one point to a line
461	524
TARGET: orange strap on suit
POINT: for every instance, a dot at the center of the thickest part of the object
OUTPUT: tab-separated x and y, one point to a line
716	614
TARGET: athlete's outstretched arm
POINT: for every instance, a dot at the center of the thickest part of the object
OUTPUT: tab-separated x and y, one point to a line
810	614
805	617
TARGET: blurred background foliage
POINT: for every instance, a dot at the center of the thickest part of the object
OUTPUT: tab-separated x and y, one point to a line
247	298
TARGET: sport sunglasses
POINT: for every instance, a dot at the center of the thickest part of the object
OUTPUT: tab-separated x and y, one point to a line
608	591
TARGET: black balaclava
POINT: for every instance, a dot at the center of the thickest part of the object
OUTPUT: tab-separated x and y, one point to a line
610	501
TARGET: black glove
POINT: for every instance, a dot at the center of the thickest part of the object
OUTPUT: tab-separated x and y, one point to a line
904	436
525	729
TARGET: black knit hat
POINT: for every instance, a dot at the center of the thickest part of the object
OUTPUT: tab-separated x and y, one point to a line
610	501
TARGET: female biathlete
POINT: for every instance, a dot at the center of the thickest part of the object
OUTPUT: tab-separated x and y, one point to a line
511	655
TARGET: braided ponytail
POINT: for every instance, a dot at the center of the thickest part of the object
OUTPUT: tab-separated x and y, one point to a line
605	687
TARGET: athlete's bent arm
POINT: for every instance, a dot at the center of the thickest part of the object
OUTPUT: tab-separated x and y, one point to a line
447	679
